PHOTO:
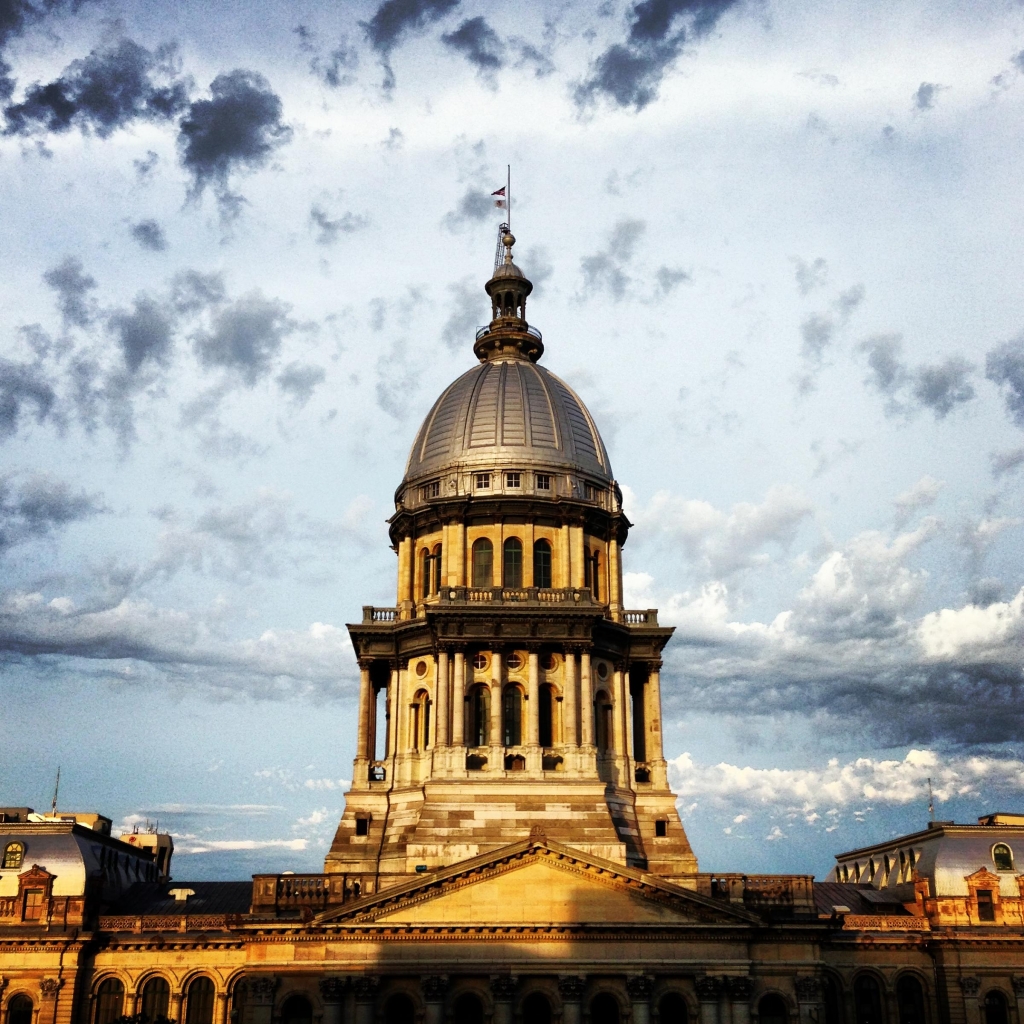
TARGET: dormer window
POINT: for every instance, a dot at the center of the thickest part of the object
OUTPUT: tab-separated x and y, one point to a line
482	481
431	489
1002	857
543	482
512	479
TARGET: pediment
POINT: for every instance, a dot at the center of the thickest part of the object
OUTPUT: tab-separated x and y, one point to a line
538	884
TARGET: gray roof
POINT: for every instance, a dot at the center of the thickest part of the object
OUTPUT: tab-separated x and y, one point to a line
153	898
508	413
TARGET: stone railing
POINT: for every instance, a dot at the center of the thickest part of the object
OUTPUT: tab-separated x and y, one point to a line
274	893
372	614
571	596
640	616
166	922
885	923
787	893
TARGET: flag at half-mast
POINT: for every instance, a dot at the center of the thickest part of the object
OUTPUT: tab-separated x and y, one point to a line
500	199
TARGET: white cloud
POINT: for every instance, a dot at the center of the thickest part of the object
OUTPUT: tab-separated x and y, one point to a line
997	629
234	845
921	495
341	784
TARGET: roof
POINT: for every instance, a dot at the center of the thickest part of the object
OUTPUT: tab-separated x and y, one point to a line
508	412
861	899
154	898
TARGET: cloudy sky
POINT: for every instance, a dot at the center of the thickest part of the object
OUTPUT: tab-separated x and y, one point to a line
776	248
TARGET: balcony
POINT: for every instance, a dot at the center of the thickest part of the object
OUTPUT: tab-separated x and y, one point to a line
297	893
531	596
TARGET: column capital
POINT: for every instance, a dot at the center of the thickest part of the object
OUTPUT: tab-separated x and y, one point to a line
639	986
332	990
808	990
434	987
49	987
708	988
365	663
655	665
742	988
1018	986
970	985
261	988
503	986
365	986
571	986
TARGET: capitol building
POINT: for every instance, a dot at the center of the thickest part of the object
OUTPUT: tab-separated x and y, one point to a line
510	850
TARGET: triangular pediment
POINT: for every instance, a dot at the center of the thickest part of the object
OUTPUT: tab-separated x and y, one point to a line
537	884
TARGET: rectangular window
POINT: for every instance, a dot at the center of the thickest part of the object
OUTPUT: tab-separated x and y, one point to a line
482	481
661	828
512	479
986	908
590	492
430	490
362	826
33	904
543	482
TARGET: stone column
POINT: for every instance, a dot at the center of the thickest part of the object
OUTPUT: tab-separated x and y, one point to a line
405	576
1018	990
576	555
365	705
570	732
655	748
528	580
220	1012
533	702
808	997
618	714
459	702
970	987
50	988
639	987
441	685
174	1006
459	539
365	987
392	713
402	726
564	574
614	580
261	998
434	987
332	992
740	991
586	702
503	988
571	988
497	740
708	990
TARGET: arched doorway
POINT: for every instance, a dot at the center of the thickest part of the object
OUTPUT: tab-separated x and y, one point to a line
995	1008
156	999
910	1000
297	1010
604	1009
772	1010
867	999
399	1009
672	1009
109	1001
19	1010
199	1005
468	1009
536	1009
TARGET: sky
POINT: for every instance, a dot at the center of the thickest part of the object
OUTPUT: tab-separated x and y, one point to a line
776	248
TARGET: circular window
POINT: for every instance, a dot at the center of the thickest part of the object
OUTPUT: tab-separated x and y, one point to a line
602	670
480	660
421	668
514	661
548	662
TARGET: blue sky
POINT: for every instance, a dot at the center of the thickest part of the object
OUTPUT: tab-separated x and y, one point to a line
775	249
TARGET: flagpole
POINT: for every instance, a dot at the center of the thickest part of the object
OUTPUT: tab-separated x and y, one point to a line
508	196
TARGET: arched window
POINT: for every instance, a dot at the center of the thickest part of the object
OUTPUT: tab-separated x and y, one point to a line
435	576
399	1010
910	1000
995	1008
541	564
156	999
833	1000
604	1009
512	716
867	1000
468	1009
592	573
672	1009
297	1010
19	1010
536	1009
512	563
479	708
772	1010
14	854
1002	857
603	721
546	716
425	564
199	1002
419	724
483	563
109	1001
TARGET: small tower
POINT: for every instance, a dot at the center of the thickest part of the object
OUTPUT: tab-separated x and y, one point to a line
507	690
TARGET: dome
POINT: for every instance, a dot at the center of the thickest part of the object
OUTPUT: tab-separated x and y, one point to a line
509	413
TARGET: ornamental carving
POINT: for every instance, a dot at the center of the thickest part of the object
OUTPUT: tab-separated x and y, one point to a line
970	985
503	986
808	990
261	988
571	986
365	986
332	990
707	988
741	989
1017	981
434	987
639	986
50	987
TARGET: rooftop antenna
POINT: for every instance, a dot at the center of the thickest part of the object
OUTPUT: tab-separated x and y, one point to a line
56	789
931	801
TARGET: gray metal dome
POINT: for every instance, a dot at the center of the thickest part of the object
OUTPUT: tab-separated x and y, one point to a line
508	413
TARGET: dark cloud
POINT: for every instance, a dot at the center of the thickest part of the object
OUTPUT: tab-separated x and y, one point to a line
299	380
103	92
150	235
23	387
329	230
926	95
817	332
475	206
1004	366
468	311
629	73
940	387
239	126
810	275
529	54
38	505
338	67
1007	462
669	278
72	285
1017	60
145	166
395	19
15	17
143	333
478	43
192	291
246	337
605	270
395	139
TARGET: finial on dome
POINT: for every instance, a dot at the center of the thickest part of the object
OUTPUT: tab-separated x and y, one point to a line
508	335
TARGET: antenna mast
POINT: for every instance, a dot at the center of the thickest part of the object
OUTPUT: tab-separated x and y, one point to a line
56	789
931	802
